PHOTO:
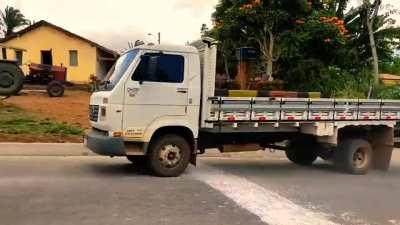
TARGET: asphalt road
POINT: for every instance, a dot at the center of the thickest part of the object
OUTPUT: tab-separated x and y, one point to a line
346	199
244	189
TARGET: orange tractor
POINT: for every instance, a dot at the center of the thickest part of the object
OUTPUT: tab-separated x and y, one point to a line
12	78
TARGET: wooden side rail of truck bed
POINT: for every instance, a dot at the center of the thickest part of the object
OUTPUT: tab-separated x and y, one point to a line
301	109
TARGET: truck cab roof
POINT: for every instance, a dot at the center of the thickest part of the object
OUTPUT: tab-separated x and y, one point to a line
168	48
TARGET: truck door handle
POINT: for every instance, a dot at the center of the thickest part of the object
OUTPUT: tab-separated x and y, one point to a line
182	90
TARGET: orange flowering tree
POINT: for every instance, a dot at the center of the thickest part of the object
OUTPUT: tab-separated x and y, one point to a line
258	23
312	45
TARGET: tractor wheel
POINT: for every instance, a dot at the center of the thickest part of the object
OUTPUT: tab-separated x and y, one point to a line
55	89
11	79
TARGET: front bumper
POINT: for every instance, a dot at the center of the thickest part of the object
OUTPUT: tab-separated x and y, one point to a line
101	144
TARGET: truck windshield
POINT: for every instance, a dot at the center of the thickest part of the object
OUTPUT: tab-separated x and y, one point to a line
118	70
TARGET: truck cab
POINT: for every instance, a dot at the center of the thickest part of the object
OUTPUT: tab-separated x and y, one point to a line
151	97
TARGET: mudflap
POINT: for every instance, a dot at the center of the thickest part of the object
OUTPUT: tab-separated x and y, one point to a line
193	157
382	140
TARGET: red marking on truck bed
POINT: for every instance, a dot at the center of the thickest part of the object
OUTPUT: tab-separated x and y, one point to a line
231	119
263	118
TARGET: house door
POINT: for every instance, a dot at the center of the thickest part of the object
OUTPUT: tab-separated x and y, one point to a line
4	53
47	57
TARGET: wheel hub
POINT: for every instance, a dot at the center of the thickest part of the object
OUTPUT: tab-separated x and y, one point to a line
55	90
6	80
170	156
359	158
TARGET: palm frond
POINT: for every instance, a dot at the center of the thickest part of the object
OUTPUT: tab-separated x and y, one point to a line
12	18
388	33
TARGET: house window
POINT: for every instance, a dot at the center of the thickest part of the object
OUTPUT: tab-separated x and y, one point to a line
73	58
19	56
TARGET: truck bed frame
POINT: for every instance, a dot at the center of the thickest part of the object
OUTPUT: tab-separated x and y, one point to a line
261	110
271	120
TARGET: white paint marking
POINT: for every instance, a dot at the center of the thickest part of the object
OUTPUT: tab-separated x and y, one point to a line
394	222
272	208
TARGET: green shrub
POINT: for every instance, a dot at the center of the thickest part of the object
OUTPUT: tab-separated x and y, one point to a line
16	121
384	92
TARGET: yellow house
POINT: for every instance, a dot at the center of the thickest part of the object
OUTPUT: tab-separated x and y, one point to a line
46	43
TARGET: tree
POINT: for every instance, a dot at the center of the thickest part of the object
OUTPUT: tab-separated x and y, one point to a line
313	50
373	35
12	18
257	23
316	45
369	12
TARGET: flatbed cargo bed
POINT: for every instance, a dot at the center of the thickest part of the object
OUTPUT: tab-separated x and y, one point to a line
262	110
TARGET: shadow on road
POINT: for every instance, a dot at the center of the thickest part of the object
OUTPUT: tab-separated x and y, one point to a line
121	169
282	168
253	167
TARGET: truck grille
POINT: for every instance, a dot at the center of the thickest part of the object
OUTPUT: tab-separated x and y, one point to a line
94	113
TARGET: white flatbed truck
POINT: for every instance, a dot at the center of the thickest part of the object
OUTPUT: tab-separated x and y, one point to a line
157	106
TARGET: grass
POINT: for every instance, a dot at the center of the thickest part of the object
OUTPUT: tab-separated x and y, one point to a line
14	120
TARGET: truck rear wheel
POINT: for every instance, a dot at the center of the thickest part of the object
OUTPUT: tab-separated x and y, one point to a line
169	156
11	79
302	151
353	156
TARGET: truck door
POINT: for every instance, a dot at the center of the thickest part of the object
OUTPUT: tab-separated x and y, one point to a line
156	89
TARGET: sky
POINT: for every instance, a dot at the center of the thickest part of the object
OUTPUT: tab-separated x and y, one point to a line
117	22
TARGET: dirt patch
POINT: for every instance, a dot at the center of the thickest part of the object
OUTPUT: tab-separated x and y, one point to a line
34	117
71	109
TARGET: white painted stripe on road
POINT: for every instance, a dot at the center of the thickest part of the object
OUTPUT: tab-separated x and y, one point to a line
271	207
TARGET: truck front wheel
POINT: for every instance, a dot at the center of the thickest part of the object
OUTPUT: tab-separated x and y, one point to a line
302	151
353	156
169	156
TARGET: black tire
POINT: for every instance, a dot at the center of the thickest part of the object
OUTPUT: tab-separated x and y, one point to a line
55	89
138	160
303	151
11	79
353	156
169	156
